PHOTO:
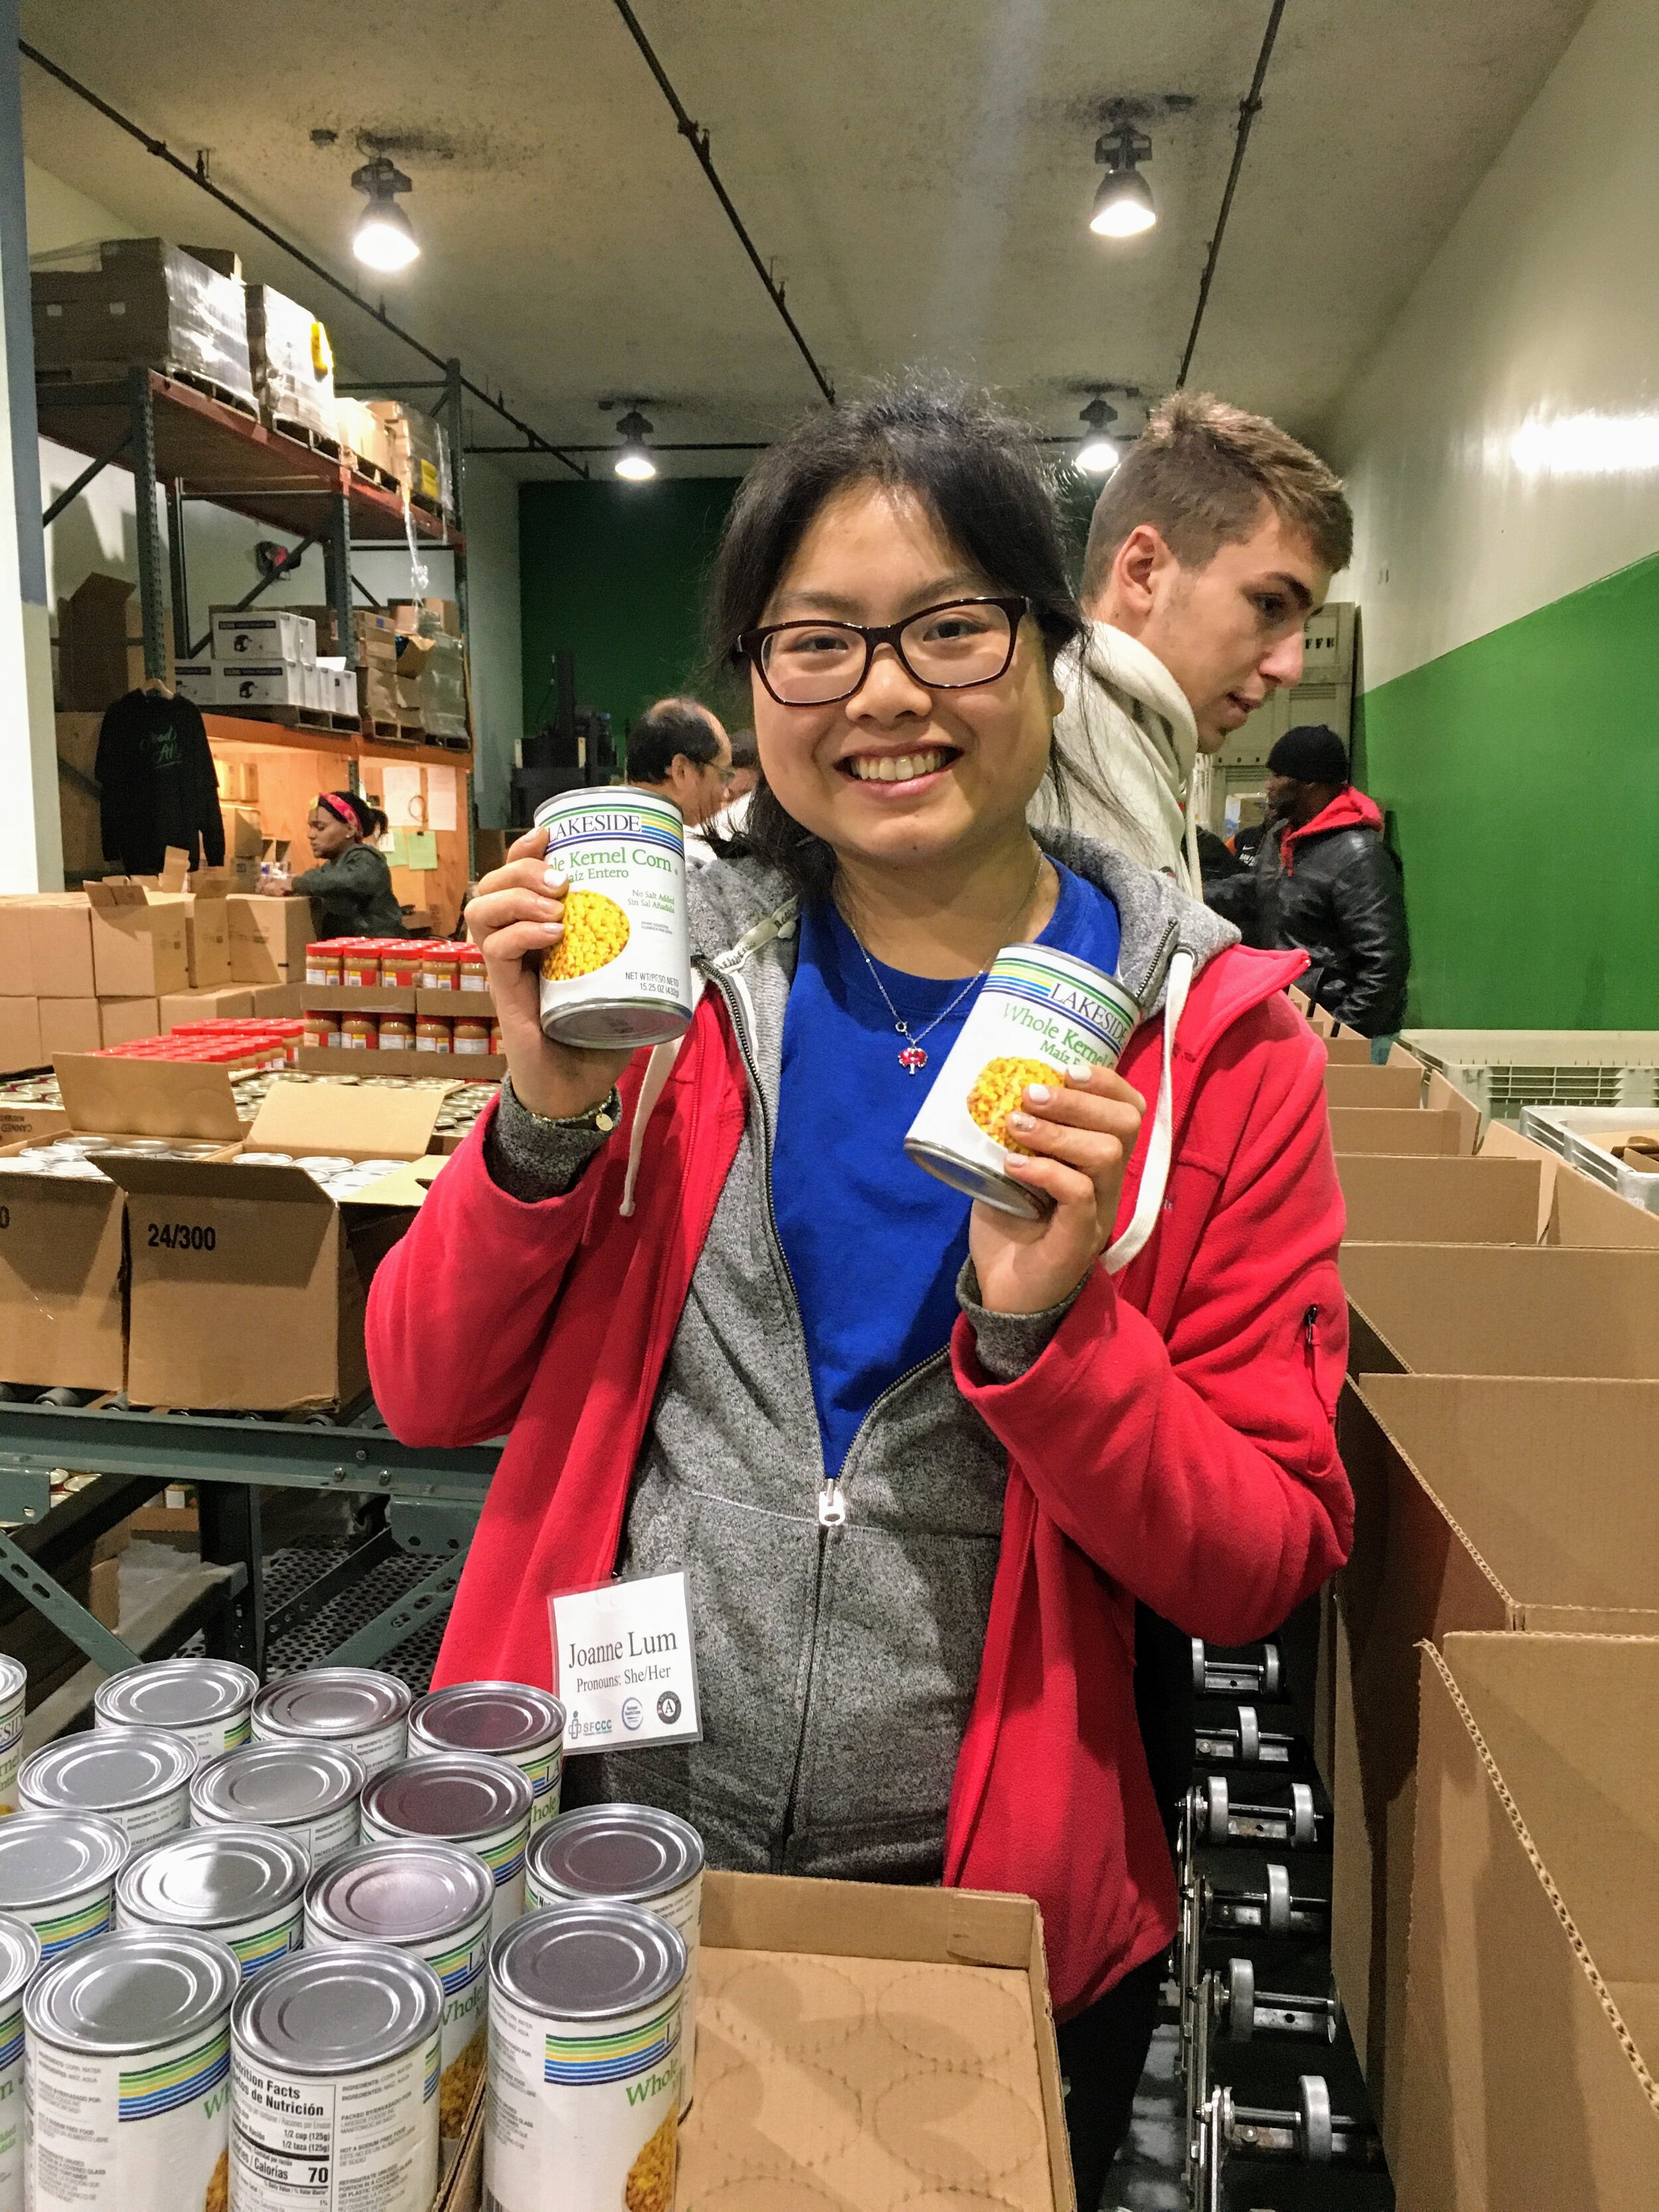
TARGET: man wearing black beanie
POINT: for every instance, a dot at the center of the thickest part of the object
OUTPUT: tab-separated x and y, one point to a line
1325	881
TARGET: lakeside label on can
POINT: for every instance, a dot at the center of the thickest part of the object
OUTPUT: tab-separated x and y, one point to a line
1038	1013
208	1702
57	1875
355	1709
433	1900
334	2072
19	1958
14	1684
138	1779
307	1792
633	1854
509	1719
243	1887
586	2010
621	973
127	2099
480	1804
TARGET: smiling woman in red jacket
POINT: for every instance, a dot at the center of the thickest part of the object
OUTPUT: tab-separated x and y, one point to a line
917	1459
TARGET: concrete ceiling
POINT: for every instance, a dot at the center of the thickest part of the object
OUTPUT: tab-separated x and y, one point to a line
920	172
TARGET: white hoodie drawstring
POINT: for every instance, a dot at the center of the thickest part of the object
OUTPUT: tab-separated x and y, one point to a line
1155	1176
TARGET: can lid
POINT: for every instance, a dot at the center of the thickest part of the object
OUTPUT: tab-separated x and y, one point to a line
14	1677
402	1892
588	1961
498	1717
134	1991
174	1694
340	2009
624	1852
105	1770
332	1701
20	1954
45	1857
206	1877
448	1794
266	1781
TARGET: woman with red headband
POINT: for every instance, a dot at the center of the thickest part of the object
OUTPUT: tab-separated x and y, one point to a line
351	889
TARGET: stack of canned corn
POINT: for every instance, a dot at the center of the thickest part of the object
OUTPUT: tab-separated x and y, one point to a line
251	1939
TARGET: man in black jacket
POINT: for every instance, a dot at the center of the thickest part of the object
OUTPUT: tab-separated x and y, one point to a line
1325	881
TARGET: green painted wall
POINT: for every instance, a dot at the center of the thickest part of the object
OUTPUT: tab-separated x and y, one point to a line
615	573
1523	770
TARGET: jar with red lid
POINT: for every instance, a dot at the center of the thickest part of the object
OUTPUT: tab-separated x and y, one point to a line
322	962
472	1034
321	1032
396	1033
359	964
470	968
438	966
432	1034
401	966
359	1033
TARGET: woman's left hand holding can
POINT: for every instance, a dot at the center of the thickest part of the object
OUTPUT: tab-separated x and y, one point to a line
516	917
1076	1139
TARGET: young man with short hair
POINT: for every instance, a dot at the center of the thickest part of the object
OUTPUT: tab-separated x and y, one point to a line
1211	544
680	748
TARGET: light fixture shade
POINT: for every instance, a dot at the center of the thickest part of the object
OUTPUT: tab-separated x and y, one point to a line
636	465
1123	204
1097	457
384	237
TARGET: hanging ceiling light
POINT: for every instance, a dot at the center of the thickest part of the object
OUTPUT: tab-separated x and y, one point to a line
1098	456
1124	203
634	463
383	238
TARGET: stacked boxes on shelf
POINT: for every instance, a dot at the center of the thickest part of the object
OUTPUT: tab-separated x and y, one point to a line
420	453
268	658
292	364
127	302
382	694
414	1003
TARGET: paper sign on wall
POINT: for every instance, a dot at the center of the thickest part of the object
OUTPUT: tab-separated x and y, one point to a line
624	1666
441	805
414	848
402	797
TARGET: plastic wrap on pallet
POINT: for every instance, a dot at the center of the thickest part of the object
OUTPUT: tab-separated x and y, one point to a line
292	363
363	433
148	304
422	464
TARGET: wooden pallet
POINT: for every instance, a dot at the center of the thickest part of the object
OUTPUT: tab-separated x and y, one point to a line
370	471
303	434
400	733
52	381
299	718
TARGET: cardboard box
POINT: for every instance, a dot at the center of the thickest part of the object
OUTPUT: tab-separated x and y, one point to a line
100	645
1373	1087
264	684
69	1026
1496	1310
1406	1129
198	680
139	945
263	635
57	930
207	919
1516	1503
121	1020
203	1007
1449	1201
1534	1946
79	805
20	1035
248	1284
284	998
268	938
864	2046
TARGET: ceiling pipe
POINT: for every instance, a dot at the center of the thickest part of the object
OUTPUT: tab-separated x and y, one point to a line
1248	108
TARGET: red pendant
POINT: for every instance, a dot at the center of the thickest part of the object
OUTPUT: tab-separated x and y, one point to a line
913	1059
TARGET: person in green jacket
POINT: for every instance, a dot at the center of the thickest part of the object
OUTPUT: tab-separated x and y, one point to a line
351	889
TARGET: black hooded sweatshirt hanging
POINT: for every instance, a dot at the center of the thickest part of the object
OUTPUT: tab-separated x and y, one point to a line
157	772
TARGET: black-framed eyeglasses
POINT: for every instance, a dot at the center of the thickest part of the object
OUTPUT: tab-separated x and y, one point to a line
949	648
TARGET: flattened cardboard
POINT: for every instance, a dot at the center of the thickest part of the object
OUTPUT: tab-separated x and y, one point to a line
1498	1310
1392	1199
416	1067
150	1098
1391	1087
346	1120
1534	1944
1407	1129
1514	1504
359	998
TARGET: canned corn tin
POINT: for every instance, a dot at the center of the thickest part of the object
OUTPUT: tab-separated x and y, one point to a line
628	1854
243	1887
433	1899
510	1721
19	1958
206	1701
621	973
14	1684
586	2009
57	1873
355	1709
126	2104
1038	1013
334	2076
138	1779
463	1797
306	1791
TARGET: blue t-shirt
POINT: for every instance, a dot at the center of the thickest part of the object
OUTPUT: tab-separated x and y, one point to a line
874	1242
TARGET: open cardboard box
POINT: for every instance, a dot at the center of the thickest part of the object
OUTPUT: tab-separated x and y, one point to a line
1520	1503
1534	1946
1391	1198
1501	1309
247	1285
1351	1051
1573	1209
140	945
1415	1130
860	2045
1350	1085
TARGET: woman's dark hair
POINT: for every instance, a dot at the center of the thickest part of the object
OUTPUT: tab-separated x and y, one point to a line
370	822
972	466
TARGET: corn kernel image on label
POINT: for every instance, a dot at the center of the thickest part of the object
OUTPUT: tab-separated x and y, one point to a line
595	934
621	975
1038	1013
650	2185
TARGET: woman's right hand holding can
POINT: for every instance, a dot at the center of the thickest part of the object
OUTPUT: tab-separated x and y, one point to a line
515	920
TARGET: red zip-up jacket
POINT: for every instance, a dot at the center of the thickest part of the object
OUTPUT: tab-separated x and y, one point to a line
1173	1442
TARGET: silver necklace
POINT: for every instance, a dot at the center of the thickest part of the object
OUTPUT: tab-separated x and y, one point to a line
912	1057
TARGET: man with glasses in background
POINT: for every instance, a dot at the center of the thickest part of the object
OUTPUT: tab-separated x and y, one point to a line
680	748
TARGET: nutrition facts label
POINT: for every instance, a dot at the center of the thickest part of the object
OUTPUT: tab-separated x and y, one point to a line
362	2144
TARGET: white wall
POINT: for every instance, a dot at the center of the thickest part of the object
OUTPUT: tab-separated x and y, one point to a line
1502	448
97	532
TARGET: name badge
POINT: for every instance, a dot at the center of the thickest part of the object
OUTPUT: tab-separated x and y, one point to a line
623	1666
